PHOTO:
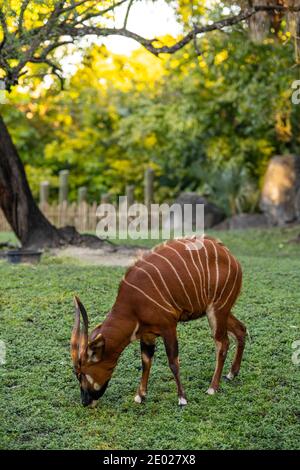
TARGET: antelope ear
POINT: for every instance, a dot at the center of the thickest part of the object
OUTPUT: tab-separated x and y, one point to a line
96	348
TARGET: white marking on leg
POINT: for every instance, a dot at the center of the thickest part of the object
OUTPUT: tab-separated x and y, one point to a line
145	358
138	399
230	376
133	336
211	391
182	401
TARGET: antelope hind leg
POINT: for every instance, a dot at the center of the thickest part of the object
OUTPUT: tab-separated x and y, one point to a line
238	330
218	324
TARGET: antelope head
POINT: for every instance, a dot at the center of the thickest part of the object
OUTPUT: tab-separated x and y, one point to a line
90	368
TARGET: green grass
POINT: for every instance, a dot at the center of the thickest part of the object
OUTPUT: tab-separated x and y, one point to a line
8	237
39	396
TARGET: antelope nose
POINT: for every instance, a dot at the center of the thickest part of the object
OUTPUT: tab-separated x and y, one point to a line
86	398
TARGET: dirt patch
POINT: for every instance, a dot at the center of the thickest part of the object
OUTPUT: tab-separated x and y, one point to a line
122	257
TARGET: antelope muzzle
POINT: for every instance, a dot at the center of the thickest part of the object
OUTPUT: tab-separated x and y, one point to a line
90	398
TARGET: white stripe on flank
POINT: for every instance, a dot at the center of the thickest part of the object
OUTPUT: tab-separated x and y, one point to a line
146	295
236	275
187	269
217	272
163	281
155	286
166	259
200	281
202	270
227	278
208	273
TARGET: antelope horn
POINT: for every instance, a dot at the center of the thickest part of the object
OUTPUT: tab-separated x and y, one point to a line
83	339
75	336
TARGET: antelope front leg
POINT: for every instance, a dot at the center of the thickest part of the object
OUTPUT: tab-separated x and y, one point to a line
147	353
171	345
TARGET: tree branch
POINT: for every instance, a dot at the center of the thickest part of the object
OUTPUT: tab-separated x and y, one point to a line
99	13
245	14
73	6
55	68
21	16
57	28
4	27
127	13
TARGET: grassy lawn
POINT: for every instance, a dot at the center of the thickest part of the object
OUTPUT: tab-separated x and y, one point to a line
39	396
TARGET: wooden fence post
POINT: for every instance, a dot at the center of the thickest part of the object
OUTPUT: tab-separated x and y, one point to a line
63	186
44	193
92	216
105	198
130	195
82	193
148	187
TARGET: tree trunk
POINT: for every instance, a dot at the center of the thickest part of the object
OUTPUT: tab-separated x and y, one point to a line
20	209
16	200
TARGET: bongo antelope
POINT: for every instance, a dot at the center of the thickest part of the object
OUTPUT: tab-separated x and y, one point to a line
179	280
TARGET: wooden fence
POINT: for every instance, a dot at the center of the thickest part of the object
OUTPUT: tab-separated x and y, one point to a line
80	214
4	225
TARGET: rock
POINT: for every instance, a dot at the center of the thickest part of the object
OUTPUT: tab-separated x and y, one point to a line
212	214
244	221
280	198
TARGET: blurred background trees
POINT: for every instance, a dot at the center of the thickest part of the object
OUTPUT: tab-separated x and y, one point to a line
207	118
207	122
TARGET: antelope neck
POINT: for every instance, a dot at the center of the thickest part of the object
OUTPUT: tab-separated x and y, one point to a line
117	330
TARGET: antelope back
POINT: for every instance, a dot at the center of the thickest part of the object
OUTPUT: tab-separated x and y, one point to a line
186	276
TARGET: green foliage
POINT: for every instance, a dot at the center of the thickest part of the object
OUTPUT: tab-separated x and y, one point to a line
39	396
197	120
231	187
